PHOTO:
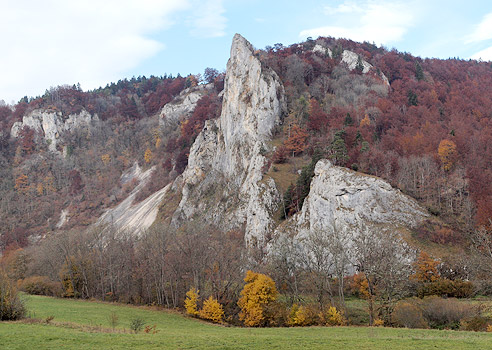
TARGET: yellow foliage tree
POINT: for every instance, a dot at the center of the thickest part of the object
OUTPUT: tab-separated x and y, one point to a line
22	183
365	121
191	301
106	158
212	310
425	269
257	294
40	189
148	155
299	316
447	153
334	317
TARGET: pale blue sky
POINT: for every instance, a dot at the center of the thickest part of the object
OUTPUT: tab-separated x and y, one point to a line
53	42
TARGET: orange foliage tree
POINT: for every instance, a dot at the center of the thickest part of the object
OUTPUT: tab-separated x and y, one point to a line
425	269
447	153
297	141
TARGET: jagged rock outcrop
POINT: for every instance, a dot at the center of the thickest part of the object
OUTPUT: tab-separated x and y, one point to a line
52	124
351	58
223	182
322	50
350	200
182	106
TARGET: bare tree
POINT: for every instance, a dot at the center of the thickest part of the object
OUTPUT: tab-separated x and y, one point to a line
385	259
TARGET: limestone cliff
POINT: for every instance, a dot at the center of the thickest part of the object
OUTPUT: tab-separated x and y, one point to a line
52	124
222	182
182	106
350	199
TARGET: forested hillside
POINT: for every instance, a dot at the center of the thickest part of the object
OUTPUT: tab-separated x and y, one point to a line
260	163
82	175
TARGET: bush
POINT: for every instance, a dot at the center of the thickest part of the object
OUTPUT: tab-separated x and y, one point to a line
40	285
137	324
476	323
445	313
302	316
406	314
483	287
447	288
332	317
212	310
11	307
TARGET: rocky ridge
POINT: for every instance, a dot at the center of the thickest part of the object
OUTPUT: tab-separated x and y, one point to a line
223	180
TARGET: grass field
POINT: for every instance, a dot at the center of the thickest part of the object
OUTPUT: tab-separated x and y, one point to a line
85	325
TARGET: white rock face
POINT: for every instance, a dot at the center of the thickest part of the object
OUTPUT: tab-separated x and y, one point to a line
63	218
52	124
322	50
182	106
351	200
222	181
350	58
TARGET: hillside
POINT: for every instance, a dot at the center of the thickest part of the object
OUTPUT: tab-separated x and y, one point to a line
324	163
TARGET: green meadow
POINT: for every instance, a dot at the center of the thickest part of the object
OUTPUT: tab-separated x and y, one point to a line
76	324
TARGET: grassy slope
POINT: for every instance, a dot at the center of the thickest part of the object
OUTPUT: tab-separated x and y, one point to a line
178	332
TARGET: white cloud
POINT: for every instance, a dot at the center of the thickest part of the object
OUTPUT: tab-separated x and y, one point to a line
383	22
207	20
346	7
53	42
483	31
484	55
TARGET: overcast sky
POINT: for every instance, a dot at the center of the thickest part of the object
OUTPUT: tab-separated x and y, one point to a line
93	42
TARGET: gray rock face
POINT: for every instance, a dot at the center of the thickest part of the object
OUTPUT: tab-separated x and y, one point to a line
322	50
223	180
52	124
181	107
350	200
350	59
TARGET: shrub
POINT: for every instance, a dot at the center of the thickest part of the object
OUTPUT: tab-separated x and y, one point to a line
212	310
191	302
445	313
406	314
332	317
476	323
137	324
41	285
448	288
302	316
11	307
378	322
